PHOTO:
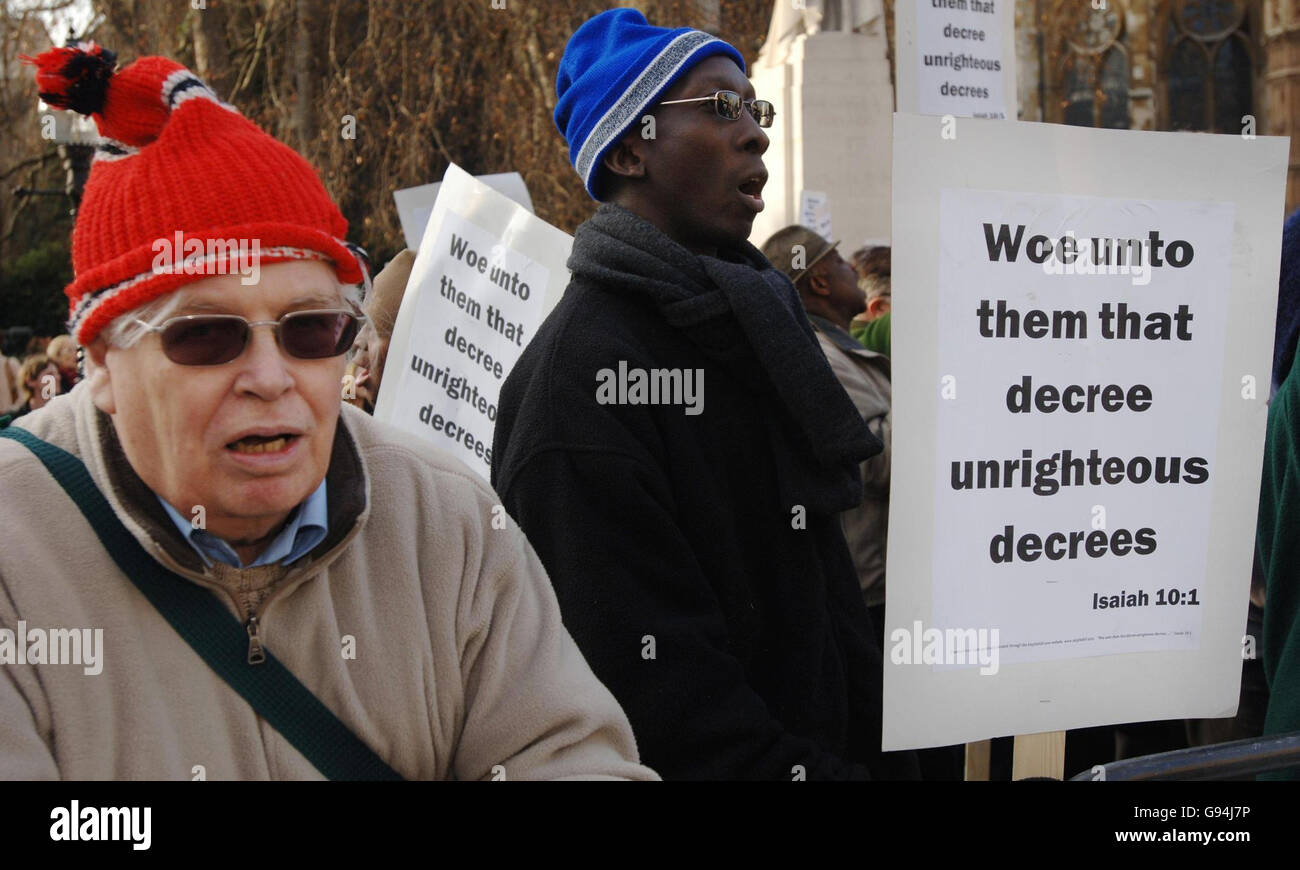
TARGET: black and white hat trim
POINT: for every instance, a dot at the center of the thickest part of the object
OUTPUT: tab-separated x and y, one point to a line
93	300
111	149
183	85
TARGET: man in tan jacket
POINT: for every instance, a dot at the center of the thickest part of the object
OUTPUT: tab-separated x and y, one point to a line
380	572
829	292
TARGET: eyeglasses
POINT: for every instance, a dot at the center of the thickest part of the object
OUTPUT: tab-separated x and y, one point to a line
729	104
213	339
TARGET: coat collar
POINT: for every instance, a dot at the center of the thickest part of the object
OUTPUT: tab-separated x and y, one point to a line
840	338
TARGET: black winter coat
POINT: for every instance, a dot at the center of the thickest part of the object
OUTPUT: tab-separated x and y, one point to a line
698	558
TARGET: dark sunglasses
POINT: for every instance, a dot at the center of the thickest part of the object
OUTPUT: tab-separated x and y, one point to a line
729	105
213	339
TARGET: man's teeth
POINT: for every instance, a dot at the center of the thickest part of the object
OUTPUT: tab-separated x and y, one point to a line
273	446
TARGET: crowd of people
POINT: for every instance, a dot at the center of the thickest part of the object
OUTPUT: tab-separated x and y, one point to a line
639	593
34	369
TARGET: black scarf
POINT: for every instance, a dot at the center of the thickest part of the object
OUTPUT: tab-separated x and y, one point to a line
745	314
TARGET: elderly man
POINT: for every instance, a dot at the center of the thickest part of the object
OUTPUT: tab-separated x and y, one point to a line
263	585
674	444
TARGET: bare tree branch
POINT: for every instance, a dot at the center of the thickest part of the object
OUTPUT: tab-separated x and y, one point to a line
39	160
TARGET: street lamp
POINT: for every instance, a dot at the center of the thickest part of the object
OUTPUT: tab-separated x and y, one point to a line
76	150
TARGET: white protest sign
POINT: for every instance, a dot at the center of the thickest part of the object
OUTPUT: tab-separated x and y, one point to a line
815	212
1082	322
486	274
956	57
415	204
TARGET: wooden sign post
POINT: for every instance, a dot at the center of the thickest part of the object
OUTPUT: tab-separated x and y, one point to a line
1038	755
977	760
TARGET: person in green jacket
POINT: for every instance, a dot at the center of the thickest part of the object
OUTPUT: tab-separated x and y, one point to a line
1278	542
871	328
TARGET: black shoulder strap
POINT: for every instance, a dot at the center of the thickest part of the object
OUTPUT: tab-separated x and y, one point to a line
214	633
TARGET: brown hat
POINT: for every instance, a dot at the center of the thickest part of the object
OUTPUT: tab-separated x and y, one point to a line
782	247
390	286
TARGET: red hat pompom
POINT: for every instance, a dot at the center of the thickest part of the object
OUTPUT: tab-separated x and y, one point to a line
75	77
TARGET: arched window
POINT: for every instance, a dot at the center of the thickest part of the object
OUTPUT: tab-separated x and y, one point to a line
1209	66
1091	88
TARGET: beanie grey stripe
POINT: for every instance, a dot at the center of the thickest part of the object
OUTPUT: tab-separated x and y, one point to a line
636	98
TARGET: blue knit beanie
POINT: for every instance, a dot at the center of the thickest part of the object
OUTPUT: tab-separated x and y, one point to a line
615	66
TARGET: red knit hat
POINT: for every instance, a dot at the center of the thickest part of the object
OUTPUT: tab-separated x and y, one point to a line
175	163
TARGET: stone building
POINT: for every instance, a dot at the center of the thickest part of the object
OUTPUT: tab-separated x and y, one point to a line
1221	66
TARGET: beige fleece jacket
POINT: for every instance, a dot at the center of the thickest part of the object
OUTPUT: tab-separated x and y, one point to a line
459	669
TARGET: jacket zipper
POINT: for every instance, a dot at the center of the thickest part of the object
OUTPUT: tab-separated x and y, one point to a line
253	625
256	654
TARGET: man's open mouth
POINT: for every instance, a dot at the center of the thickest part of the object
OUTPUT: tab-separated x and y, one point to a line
263	443
751	188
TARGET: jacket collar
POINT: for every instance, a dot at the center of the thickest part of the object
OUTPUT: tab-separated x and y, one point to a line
839	337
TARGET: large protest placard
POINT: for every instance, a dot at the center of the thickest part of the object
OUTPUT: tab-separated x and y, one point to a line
486	274
956	57
1082	327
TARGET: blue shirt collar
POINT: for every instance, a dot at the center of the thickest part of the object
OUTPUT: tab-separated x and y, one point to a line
307	526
